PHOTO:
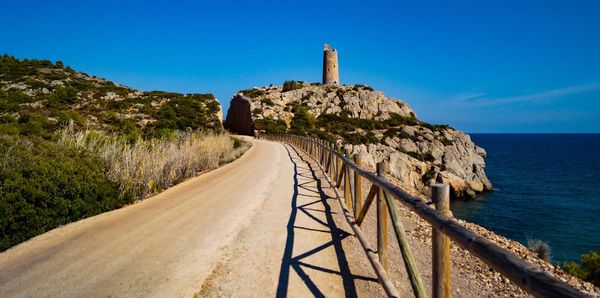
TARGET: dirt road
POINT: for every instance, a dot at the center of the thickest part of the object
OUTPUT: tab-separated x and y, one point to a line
164	246
265	225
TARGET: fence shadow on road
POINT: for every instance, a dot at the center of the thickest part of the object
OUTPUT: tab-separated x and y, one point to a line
304	169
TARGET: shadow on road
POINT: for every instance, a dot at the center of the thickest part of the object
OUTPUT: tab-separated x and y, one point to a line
311	187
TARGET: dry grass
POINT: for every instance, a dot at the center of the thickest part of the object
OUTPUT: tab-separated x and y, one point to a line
148	166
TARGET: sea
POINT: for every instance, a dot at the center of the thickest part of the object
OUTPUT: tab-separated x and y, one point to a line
546	187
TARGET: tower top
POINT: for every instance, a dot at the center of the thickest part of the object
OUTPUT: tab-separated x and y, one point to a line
331	75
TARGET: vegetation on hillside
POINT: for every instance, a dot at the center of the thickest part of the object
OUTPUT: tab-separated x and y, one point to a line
352	130
119	145
38	97
292	85
587	269
44	185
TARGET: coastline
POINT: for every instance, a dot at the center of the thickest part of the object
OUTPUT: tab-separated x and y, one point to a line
490	282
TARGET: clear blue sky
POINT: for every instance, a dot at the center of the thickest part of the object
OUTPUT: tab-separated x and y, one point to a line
481	66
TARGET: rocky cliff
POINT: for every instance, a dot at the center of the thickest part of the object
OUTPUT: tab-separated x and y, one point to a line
367	122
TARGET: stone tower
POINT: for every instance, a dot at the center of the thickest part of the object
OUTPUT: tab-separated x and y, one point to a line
331	72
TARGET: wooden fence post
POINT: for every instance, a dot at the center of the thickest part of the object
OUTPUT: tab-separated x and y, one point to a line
316	150
357	187
409	262
321	151
338	164
440	244
332	163
347	182
381	221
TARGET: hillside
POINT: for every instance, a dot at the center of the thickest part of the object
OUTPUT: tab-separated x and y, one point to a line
73	145
365	121
37	97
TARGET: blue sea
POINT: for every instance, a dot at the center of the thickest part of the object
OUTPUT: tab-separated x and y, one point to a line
547	187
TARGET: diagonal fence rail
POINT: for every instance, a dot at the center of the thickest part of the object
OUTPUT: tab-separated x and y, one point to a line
347	175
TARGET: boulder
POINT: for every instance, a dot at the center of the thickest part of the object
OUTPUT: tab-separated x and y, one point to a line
239	116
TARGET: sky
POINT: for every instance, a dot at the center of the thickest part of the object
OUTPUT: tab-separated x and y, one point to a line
480	66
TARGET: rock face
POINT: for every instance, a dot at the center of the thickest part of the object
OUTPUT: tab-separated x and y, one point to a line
239	118
367	122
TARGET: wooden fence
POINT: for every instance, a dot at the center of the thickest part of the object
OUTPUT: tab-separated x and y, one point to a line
347	175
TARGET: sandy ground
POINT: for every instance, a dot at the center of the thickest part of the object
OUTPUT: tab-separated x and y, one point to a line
164	246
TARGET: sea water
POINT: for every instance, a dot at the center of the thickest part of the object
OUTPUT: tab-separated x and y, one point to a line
547	187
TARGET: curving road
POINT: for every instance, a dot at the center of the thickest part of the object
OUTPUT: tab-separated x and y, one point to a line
162	246
175	242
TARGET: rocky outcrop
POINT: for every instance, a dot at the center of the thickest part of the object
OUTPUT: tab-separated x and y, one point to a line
459	163
367	122
239	118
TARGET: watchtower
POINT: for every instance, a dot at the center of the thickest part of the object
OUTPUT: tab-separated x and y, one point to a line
331	73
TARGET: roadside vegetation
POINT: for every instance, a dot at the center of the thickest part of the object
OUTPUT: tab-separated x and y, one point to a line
44	185
73	145
148	166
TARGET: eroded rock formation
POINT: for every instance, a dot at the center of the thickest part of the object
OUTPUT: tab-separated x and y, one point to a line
239	118
367	122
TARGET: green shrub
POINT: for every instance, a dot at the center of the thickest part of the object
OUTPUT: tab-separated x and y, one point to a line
253	93
588	270
360	86
236	143
130	132
267	101
49	185
359	138
67	116
397	120
182	113
270	125
302	123
32	124
291	85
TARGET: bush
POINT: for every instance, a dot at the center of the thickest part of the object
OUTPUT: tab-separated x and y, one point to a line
588	270
541	249
270	125
358	138
267	101
49	185
291	85
397	120
253	93
360	86
147	166
302	122
182	113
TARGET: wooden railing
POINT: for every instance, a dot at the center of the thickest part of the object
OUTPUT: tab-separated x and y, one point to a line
347	175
